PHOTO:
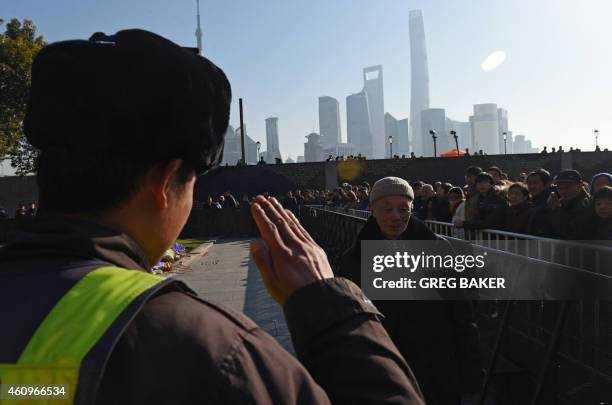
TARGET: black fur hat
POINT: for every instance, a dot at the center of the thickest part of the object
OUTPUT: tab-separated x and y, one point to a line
134	93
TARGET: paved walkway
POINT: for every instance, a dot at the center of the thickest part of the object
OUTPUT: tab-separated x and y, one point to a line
224	271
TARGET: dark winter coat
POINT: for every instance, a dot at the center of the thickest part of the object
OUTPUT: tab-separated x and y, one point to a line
471	204
572	216
439	339
538	223
491	211
517	218
440	209
595	228
291	204
421	208
185	349
230	202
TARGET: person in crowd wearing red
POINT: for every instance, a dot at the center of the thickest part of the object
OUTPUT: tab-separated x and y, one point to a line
517	214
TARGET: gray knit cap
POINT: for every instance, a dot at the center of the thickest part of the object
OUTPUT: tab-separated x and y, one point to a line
391	186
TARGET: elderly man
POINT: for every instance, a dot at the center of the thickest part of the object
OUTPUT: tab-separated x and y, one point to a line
439	339
570	206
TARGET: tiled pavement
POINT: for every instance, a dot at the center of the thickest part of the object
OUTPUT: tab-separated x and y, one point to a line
224	271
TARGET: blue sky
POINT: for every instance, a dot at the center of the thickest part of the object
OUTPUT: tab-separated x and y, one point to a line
280	56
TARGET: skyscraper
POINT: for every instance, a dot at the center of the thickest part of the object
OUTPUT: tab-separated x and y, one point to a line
391	130
435	119
464	133
398	129
502	126
358	123
520	144
403	144
419	80
313	150
232	150
272	148
485	128
373	86
198	32
329	121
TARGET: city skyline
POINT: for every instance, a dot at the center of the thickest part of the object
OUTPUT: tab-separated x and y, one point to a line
419	82
296	54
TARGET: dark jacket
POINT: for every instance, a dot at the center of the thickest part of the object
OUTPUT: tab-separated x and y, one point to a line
440	209
603	230
291	204
572	216
184	349
517	218
439	339
363	204
471	204
595	228
491	211
230	202
538	223
421	208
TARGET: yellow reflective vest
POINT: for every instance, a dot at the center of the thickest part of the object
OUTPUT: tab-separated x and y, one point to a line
49	370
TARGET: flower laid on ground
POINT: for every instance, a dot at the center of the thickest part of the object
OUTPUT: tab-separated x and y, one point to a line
170	256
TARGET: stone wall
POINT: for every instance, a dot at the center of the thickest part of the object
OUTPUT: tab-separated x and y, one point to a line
327	175
278	179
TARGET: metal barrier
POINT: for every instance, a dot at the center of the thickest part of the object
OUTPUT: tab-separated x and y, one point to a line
335	231
569	253
348	211
539	352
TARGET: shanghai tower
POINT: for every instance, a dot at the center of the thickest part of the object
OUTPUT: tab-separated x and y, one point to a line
419	80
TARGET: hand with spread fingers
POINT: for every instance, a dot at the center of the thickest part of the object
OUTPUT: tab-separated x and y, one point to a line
288	258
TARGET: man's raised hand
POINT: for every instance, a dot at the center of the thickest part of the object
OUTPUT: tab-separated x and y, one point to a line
288	258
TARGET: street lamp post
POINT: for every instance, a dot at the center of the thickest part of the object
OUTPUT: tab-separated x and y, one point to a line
434	137
390	146
596	139
505	139
454	134
258	146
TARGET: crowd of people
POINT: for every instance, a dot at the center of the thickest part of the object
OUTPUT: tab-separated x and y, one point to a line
536	203
23	211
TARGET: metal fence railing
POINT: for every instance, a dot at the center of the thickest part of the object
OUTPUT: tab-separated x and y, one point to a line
539	351
348	211
569	253
580	254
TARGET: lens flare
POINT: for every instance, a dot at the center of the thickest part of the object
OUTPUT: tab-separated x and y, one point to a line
493	61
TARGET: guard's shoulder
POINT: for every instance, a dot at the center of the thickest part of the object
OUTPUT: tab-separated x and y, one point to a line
181	341
197	308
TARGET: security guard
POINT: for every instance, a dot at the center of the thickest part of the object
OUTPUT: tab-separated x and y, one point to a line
124	123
